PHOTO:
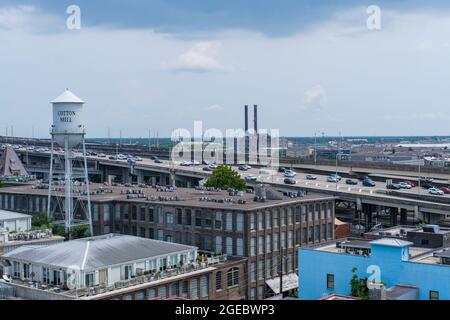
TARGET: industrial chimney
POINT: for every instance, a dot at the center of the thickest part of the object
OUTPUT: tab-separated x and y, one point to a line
246	119
255	120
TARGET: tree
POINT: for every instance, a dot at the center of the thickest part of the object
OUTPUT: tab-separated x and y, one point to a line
359	286
41	221
224	177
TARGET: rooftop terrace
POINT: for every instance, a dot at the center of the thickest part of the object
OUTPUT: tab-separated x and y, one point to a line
195	197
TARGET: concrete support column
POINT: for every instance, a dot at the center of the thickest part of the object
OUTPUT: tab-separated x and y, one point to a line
367	210
403	216
394	212
140	176
126	178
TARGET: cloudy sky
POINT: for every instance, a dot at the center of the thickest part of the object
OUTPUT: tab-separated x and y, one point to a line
162	64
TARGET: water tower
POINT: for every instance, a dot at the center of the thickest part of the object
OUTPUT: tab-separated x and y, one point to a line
68	132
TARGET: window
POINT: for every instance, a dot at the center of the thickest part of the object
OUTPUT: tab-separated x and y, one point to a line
304	238
253	294
310	234
95	212
290	239
252	221
151	214
253	271
194	288
297	215
184	289
253	246
260	221
290	217
179	216
208	221
188	217
330	281
303	214
133	213
434	295
229	225
330	231
268	219
260	269
160	215
218	280
268	242
317	233
160	234
229	246
151	293
198	218
283	217
207	243
310	212
142	213
219	244
275	241
317	212
45	275
233	277
329	209
16	269
269	268
140	295
261	245
106	213
240	222
261	292
204	285
89	280
424	242
323	233
169	219
239	247
275	219
283	240
142	232
218	221
163	292
175	290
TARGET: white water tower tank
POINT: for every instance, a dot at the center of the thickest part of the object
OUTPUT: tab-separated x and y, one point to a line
67	111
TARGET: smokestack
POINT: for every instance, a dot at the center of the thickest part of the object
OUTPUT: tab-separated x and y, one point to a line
246	119
255	115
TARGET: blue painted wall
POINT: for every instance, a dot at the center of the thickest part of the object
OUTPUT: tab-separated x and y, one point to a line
395	269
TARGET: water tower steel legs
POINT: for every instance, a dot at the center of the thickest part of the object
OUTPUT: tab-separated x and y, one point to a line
50	180
86	180
68	185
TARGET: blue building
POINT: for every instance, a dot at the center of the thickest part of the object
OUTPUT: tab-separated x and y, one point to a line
327	269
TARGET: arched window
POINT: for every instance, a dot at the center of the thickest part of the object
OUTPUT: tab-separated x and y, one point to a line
218	280
233	277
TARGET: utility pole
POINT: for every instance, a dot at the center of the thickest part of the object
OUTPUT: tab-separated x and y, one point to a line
315	148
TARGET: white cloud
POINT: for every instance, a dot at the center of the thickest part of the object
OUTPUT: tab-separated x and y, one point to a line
314	98
202	57
214	108
27	18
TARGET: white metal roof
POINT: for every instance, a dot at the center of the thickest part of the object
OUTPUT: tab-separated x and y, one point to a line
67	97
392	242
97	252
9	215
290	281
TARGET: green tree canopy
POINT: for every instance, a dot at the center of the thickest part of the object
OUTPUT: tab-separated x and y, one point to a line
224	177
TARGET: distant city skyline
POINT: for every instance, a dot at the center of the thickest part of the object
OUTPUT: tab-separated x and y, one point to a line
160	65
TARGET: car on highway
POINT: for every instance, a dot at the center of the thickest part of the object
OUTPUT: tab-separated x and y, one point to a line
405	185
131	161
244	167
281	169
310	177
289	173
426	185
413	184
445	190
338	177
332	179
138	158
368	183
101	155
289	181
113	158
393	186
157	160
186	163
250	178
207	168
351	182
435	191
